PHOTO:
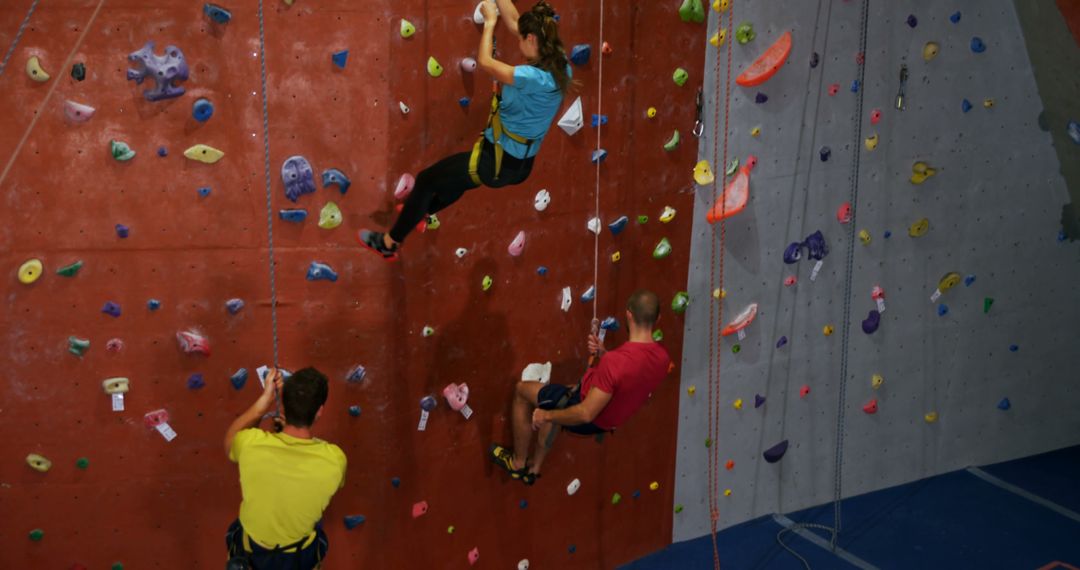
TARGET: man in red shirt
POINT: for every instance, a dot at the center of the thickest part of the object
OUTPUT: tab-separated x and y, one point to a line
607	396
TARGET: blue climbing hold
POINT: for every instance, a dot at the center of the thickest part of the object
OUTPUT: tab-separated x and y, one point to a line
598	156
234	305
759	400
202	110
217	13
598	120
572	549
793	252
112	309
122	230
1014	348
523	504
354	411
204	191
333	176
293	215
239	378
618	225
340	58
855	86
1062	236
1073	130
977	45
888	234
637	493
541	271
356	374
162	152
464	101
609	324
321	272
965	105
195	381
153	304
825	153
353	521
580	53
969	280
780	343
1004	404
955	18
395	481
912	20
760	98
589	294
942	310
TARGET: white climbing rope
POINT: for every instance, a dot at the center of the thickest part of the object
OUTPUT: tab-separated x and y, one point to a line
599	126
266	169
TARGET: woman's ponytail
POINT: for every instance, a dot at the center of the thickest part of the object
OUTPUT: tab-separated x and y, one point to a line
551	56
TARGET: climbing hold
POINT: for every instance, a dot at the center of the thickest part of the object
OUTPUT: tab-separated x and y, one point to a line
474	556
572	549
759	401
721	5
988	103
760	98
673	142
955	18
340	58
732	167
407	28
919	228
965	105
843	213
790	280
871	142
122	231
395	481
353	521
912	20
517	245
804	391
776	452
354	411
330	216
234	305
239	378
204	191
680	76
486	283
420	509
930	417
333	176
875	116
82	463
1004	404
678	509
450	529
217	13
573	487
920	171
204	153
293	215
1014	348
434	69
167	71
872	321
523	564
427	331
834	89
1073	130
404	108
667	215
692	11
870	407
735	348
598	120
930	51
680	302
356	374
37	534
153	304
114	345
77	112
573	119
768	63
977	45
31	271
606	49
110	308
864	237
618	225
735	197
756	131
67	270
580	53
718	38
745	33
35	71
78	71
741	321
192	342
121	151
793	252
523	504
815	245
195	381
780	343
876	381
38	462
616	498
737	404
321	271
827	330
593	225
298	177
643	219
658	335
404	185
589	294
942	310
703	174
78	346
855	86
987	302
598	156
825	153
461	252
662	249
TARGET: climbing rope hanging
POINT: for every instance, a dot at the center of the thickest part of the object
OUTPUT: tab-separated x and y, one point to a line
266	168
599	126
716	277
18	36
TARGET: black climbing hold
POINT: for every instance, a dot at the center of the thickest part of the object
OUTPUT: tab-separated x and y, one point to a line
78	71
814	60
912	20
760	98
825	153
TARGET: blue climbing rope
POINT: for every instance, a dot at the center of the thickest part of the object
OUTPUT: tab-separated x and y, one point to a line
266	169
18	36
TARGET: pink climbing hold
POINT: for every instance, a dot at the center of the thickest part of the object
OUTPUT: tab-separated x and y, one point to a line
843	213
518	245
834	89
474	556
457	395
404	186
875	116
192	342
804	391
155	418
419	509
877	293
114	345
790	280
870	407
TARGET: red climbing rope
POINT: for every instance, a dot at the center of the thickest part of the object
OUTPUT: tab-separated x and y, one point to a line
716	278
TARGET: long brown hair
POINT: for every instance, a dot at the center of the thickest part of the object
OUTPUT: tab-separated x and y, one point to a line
540	21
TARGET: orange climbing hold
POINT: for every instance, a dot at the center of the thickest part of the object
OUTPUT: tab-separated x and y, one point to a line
735	196
741	321
768	64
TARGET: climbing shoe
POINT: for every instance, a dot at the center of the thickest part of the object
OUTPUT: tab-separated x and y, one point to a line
374	241
505	458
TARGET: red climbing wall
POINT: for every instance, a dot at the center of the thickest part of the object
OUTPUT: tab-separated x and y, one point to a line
152	504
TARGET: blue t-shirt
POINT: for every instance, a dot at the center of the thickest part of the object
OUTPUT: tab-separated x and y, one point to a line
528	108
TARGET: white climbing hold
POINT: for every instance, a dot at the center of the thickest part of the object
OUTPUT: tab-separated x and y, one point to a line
573	119
478	16
536	372
542	200
404	108
461	252
573	487
594	226
567	299
77	112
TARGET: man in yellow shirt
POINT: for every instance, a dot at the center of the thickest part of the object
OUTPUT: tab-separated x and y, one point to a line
287	478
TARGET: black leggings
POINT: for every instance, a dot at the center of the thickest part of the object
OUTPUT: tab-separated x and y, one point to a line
442	183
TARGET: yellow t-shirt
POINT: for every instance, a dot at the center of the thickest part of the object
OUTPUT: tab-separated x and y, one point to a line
286	482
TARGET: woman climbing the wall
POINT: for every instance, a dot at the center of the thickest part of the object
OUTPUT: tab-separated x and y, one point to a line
521	116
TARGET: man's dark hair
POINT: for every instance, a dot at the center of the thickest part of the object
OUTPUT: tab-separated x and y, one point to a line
302	396
644	306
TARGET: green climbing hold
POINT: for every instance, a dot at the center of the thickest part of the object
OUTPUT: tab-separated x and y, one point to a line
678	509
117	566
407	28
121	151
486	283
37	534
616	498
744	33
643	219
433	222
658	335
986	304
662	249
82	463
708	442
692	11
680	301
673	142
78	346
330	216
434	69
70	270
735	348
732	167
680	76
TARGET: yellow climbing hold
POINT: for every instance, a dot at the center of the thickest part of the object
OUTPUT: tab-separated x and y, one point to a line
615	257
877	380
721	5
919	228
827	330
737	404
920	171
330	216
718	38
407	28
667	215
30	271
930	417
691	390
871	142
988	102
703	173
654	486
727	492
35	71
204	153
651	113
756	131
948	281
864	237
719	293
38	462
434	69
930	51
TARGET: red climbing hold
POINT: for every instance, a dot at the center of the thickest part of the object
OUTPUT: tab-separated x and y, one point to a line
735	196
765	66
870	407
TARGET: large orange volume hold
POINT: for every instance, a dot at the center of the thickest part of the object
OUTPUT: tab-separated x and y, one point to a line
768	64
734	199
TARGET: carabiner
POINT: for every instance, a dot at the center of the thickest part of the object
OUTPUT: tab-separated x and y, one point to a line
699	127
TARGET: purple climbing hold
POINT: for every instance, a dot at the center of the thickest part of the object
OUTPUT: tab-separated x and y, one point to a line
776	452
353	521
321	272
912	20
942	310
239	378
965	105
814	60
112	309
780	343
165	70
234	305
825	153
356	374
793	252
977	45
815	246
759	400
760	98
195	381
872	322
955	18
298	177
122	230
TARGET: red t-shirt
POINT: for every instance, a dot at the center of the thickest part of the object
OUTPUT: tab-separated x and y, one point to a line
629	373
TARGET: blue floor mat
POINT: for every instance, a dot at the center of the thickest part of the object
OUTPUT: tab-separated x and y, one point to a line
1052	476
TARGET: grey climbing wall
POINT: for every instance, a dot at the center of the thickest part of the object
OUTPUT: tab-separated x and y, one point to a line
993	208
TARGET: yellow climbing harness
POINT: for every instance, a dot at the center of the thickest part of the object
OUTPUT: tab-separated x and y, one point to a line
497	130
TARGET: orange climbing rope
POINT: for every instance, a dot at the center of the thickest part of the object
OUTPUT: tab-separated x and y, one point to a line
716	280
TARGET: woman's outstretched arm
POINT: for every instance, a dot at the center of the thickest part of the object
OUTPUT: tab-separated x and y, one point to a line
502	72
509	14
